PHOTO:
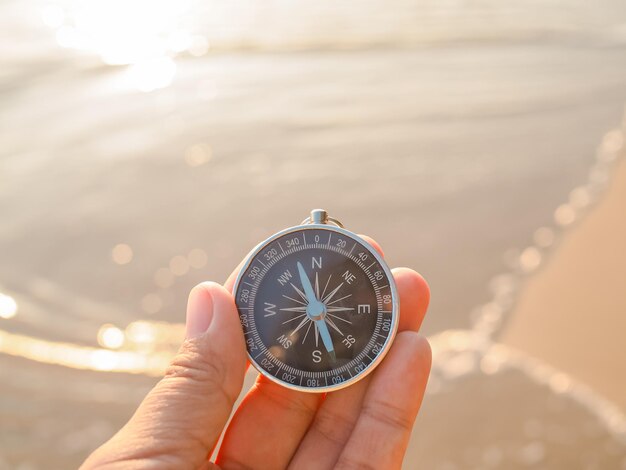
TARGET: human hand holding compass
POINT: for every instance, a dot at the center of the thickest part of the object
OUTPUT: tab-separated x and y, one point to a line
366	424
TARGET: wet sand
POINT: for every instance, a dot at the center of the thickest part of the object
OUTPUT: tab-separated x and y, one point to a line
448	155
572	313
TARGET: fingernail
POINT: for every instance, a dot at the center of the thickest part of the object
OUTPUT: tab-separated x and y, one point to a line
199	311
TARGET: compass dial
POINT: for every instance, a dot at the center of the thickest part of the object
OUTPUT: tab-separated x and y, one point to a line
318	307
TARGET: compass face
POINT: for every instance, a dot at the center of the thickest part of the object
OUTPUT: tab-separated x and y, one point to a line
318	307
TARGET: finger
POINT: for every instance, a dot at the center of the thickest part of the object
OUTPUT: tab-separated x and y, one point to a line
338	414
374	244
383	429
269	410
414	296
181	419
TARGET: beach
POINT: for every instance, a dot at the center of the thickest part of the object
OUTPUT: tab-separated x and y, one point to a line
124	184
579	296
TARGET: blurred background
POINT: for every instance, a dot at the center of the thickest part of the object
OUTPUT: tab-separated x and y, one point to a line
146	146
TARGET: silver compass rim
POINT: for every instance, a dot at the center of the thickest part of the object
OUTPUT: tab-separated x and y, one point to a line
395	304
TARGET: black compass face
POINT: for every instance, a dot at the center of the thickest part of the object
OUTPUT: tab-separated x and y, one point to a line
317	307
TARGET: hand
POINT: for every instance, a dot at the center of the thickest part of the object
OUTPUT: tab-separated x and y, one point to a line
365	425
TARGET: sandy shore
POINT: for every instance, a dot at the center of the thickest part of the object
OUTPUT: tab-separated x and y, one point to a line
572	314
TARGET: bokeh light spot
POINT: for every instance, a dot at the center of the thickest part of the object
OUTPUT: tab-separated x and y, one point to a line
110	336
163	278
8	307
530	259
179	265
543	237
152	74
198	154
197	258
151	303
122	254
564	214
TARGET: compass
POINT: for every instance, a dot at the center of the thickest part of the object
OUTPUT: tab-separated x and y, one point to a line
318	306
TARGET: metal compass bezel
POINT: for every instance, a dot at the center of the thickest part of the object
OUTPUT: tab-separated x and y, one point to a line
395	304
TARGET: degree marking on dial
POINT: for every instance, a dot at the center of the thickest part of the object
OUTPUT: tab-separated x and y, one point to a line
352	249
281	247
368	268
330	236
246	282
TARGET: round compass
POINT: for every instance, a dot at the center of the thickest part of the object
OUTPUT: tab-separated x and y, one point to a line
318	306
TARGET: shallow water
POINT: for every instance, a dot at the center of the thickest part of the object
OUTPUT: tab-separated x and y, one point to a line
449	145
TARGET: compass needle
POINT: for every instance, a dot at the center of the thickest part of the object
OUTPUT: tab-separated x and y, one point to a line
318	306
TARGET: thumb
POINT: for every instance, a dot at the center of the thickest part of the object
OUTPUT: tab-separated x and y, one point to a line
181	419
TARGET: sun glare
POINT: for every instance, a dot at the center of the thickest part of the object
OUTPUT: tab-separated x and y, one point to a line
143	34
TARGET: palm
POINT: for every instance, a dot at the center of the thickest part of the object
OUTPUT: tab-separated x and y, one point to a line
367	424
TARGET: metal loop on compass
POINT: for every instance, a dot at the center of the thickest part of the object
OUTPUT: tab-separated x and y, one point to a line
320	216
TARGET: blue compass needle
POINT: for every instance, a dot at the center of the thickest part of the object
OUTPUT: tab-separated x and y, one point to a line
316	311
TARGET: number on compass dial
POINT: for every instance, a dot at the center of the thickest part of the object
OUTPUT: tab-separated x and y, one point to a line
316	306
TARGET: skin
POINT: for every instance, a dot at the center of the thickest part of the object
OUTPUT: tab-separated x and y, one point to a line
366	425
